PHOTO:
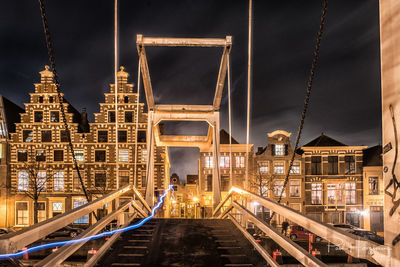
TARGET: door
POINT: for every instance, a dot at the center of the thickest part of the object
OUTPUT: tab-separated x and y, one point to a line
376	218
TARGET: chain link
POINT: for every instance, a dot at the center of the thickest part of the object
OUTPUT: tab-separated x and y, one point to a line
308	93
60	97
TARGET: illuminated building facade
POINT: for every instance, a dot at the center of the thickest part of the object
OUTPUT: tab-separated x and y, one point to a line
39	148
333	181
206	164
271	164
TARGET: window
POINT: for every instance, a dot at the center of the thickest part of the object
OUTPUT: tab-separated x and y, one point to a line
295	168
278	189
123	178
279	150
224	162
263	167
316	165
22	155
350	193
22	213
27	136
126	99
239	160
128	116
23	180
77	187
40	155
79	155
51	99
144	155
335	193
102	136
123	155
122	136
54	116
100	156
111	116
332	165
58	179
331	193
100	179
41	207
209	183
209	161
57	208
58	155
316	193
63	136
373	183
349	165
46	136
294	188
279	167
143	180
77	203
38	116
40	99
225	183
141	136
41	181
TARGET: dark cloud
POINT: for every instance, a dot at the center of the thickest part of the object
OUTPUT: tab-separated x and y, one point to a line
345	102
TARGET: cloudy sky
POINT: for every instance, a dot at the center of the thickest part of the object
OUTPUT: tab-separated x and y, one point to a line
345	102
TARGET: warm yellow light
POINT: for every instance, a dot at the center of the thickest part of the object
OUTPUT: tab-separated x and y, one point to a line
237	190
174	201
195	199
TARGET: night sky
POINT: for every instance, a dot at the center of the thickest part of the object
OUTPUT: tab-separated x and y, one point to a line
345	102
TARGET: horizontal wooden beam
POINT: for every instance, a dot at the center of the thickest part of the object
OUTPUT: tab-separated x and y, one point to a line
184	108
188	42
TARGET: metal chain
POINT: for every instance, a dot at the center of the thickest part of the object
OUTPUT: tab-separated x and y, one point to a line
308	93
60	97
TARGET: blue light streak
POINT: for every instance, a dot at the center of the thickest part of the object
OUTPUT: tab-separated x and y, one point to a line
108	233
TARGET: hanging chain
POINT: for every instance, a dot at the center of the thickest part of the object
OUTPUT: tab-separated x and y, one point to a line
308	93
60	97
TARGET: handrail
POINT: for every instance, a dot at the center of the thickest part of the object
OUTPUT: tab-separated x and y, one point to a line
137	193
256	245
287	244
353	245
64	252
222	203
13	242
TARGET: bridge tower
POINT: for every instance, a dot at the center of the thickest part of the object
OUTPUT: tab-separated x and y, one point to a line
158	112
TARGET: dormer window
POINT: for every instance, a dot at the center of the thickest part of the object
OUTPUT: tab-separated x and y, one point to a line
279	150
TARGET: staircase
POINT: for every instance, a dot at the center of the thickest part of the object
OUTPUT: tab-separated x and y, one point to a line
183	242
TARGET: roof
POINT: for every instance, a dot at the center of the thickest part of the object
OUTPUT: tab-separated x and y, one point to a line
224	138
324	140
372	156
11	112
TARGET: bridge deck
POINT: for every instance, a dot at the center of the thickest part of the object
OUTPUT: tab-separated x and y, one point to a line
183	242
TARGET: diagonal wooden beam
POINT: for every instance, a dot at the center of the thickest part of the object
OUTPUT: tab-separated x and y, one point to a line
221	77
145	73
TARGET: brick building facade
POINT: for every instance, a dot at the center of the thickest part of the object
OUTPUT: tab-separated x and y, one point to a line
39	148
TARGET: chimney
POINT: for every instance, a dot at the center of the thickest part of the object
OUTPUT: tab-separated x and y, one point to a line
84	123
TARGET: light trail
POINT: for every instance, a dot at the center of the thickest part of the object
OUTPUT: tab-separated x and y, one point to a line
74	241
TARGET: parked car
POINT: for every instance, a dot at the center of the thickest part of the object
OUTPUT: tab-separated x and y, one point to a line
298	232
345	227
66	231
368	235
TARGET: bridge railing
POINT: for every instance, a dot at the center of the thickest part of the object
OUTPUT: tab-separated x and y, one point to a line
237	204
13	242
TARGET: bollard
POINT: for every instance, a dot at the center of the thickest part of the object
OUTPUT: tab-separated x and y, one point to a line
277	255
54	249
316	253
26	256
